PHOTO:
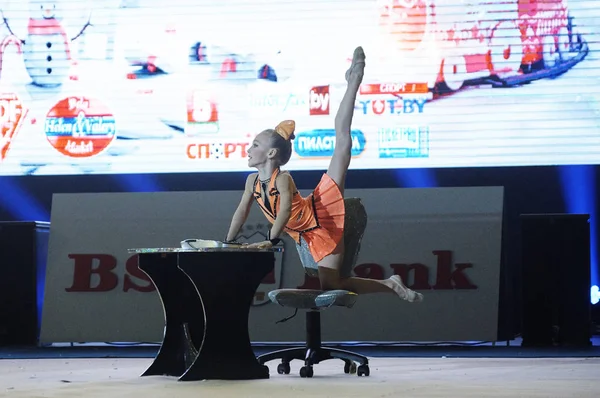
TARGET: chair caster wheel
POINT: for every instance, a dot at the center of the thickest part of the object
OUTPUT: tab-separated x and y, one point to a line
363	370
306	371
283	368
350	367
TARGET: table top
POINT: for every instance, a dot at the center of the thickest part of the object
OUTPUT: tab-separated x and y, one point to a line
236	249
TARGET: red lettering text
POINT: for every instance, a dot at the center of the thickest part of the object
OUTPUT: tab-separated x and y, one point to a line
446	278
198	151
131	266
88	265
95	273
101	267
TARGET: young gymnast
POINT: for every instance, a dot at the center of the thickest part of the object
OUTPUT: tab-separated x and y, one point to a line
316	221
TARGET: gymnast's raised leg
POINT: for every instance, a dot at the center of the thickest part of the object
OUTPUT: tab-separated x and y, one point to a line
329	267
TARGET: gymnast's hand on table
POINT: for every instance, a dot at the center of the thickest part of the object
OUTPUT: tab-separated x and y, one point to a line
266	244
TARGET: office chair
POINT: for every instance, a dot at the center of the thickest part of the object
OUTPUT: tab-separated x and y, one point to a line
315	301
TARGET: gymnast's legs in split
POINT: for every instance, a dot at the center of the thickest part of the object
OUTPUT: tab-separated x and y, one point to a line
330	266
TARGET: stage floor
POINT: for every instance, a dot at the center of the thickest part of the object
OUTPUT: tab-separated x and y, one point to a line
510	349
390	377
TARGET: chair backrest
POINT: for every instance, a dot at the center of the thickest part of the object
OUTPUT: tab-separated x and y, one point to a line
355	225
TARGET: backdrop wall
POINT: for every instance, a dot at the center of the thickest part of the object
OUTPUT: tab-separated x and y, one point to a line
527	190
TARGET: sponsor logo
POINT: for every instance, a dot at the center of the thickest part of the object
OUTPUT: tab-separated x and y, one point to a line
12	115
321	143
100	272
319	100
395	89
403	142
80	127
392	106
202	114
421	275
97	273
217	150
279	102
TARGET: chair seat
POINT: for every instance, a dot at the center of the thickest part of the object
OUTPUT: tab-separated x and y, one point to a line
355	222
313	299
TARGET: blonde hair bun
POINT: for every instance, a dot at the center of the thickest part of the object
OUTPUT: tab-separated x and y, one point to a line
286	129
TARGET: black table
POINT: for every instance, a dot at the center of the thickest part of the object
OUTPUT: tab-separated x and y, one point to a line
206	296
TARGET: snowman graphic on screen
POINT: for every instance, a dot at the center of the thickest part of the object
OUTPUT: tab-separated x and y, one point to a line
46	49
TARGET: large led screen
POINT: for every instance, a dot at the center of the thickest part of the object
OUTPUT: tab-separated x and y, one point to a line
149	86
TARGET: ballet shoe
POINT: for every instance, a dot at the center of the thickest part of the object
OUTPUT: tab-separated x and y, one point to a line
357	67
407	294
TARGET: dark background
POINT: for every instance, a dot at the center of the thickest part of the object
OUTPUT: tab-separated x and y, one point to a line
527	190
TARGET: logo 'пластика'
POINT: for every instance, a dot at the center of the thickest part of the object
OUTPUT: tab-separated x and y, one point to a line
321	143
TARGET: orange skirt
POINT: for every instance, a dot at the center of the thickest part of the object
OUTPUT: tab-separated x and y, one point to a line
330	212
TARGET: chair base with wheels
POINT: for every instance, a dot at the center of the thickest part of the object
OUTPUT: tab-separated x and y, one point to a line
315	301
314	353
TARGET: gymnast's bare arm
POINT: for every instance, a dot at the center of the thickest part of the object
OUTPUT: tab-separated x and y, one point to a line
243	209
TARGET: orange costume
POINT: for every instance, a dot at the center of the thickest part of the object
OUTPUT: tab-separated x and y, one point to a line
318	218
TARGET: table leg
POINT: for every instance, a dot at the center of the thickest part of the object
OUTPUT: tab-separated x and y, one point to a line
227	283
184	320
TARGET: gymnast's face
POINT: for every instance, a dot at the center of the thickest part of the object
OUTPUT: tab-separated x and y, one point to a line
261	150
